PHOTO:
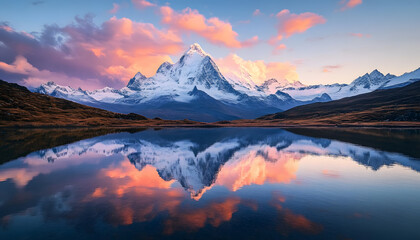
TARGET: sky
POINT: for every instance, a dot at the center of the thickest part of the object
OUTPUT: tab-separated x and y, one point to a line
98	43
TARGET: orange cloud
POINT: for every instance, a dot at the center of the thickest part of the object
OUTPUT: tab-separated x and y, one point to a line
99	192
279	48
347	4
137	196
192	220
291	221
121	55
148	177
301	223
213	29
141	4
257	71
290	23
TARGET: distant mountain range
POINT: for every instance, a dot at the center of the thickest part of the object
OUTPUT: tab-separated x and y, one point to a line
194	88
21	108
383	105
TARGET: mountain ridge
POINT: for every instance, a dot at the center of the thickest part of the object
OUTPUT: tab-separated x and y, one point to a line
396	104
166	94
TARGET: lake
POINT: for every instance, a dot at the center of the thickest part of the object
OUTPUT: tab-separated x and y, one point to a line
215	183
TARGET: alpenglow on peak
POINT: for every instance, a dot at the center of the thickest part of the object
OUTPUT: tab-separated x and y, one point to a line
196	48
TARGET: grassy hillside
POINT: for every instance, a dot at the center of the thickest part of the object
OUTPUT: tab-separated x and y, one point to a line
21	108
390	105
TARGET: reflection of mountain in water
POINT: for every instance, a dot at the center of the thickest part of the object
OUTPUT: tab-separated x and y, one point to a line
194	157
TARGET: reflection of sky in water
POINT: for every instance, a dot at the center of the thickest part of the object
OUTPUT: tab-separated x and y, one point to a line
264	183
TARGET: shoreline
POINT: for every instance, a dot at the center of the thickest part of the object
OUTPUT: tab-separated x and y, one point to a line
391	125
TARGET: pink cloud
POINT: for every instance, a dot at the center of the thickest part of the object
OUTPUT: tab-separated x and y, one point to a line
6	28
360	35
141	4
34	77
279	48
330	173
347	4
290	23
330	68
115	8
213	29
257	12
106	55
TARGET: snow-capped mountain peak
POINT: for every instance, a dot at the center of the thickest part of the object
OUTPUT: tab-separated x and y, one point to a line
196	49
376	74
134	83
371	80
139	75
194	68
195	83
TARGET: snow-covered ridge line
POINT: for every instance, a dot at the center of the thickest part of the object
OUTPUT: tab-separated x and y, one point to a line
231	97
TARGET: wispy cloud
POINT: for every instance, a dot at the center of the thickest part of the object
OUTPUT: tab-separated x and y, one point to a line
348	4
360	35
37	2
141	4
330	173
290	23
257	12
115	8
330	68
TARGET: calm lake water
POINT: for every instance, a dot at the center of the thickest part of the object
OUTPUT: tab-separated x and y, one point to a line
223	183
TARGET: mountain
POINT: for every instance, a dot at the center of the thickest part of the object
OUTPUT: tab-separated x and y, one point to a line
403	80
20	107
383	105
363	84
194	69
192	88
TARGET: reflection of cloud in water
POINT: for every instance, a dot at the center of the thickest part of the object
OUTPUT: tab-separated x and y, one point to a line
257	165
193	219
289	221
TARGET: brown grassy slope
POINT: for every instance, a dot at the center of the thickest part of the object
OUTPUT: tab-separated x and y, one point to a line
19	106
390	105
